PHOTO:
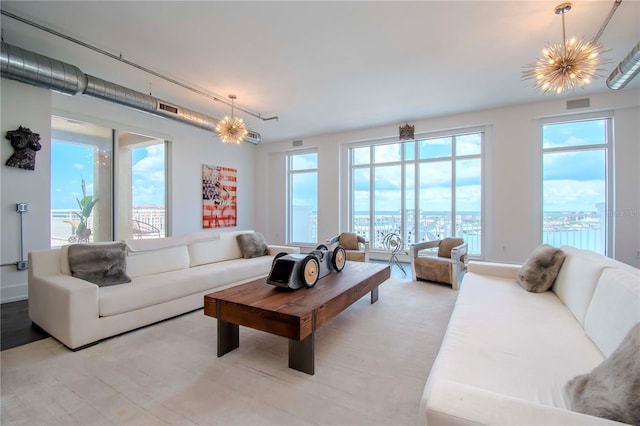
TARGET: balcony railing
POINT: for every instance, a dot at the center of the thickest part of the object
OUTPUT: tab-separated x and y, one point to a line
147	222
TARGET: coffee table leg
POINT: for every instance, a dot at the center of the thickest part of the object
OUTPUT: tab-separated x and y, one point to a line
228	337
301	355
374	295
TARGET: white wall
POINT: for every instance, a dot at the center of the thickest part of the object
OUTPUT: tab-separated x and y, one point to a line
512	174
28	107
190	148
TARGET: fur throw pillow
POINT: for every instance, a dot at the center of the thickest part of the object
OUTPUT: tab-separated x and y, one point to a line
541	268
100	264
252	245
612	389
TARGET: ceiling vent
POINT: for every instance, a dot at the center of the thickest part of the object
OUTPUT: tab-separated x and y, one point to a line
579	103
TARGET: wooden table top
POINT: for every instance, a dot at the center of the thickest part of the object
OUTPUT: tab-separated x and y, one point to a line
295	313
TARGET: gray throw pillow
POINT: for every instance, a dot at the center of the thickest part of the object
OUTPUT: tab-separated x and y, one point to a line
101	264
541	268
252	245
612	389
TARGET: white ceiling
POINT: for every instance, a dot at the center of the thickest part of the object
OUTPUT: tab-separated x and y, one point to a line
323	67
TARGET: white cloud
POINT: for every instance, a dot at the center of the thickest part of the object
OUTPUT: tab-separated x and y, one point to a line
572	195
149	177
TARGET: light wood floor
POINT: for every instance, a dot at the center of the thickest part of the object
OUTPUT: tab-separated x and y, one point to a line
372	362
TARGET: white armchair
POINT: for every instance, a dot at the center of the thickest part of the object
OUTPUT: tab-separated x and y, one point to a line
448	266
355	246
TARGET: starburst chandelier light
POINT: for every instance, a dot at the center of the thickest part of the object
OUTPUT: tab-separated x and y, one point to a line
231	129
567	65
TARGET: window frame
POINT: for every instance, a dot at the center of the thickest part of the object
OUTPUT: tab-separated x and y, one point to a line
116	129
348	169
608	147
289	194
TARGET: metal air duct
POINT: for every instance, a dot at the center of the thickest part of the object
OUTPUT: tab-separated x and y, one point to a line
626	70
41	71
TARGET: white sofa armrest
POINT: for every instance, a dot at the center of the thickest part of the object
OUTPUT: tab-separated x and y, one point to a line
64	306
503	270
275	249
459	261
453	404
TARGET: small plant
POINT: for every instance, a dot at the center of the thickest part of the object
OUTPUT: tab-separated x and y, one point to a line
86	207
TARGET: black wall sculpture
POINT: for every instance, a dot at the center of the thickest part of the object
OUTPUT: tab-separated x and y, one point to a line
26	144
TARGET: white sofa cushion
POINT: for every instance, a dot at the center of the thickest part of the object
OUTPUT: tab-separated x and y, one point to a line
210	251
505	340
577	280
204	247
157	261
614	308
149	244
151	290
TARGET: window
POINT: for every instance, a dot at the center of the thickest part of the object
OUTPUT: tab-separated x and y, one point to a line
142	193
575	183
302	200
81	203
422	190
82	184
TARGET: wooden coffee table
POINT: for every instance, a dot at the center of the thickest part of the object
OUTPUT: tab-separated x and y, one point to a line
295	314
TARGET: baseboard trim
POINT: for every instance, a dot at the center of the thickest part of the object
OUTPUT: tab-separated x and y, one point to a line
14	293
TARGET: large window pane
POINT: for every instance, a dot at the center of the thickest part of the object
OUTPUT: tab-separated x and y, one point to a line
435	200
469	144
361	155
409	204
387	203
409	150
387	153
361	201
574	194
434	148
574	134
81	182
468	193
142	189
304	161
303	198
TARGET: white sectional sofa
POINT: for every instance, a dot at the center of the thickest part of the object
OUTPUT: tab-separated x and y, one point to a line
169	276
507	353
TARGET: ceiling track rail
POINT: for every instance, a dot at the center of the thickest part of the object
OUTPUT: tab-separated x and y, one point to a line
120	58
614	7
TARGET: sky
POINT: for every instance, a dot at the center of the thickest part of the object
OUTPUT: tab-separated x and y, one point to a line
574	181
71	162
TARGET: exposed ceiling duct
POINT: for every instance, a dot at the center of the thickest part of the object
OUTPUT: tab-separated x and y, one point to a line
626	70
41	71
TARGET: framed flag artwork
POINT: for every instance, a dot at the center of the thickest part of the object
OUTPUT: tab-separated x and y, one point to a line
219	188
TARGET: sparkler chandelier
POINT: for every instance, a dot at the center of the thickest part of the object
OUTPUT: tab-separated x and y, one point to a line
567	65
231	129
